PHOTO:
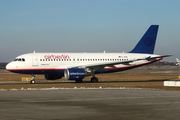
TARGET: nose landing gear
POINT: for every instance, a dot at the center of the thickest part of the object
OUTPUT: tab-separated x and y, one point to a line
33	79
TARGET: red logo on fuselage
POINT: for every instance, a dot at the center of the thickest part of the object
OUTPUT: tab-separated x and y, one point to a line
57	56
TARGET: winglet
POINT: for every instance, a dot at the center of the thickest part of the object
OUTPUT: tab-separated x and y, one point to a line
147	42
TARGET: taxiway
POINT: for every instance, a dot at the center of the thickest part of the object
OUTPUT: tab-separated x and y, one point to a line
81	104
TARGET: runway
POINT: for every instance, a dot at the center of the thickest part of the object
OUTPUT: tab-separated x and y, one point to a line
88	104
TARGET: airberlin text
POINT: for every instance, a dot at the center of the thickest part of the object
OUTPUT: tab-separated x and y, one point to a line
63	56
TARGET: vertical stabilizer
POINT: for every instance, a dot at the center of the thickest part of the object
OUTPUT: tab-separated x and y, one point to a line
147	42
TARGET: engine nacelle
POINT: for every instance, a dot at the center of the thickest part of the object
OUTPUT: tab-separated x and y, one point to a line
74	73
53	76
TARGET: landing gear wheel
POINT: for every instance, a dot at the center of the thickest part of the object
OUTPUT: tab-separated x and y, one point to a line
32	81
78	81
94	79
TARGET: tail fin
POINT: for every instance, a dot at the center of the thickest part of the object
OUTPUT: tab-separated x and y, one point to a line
147	42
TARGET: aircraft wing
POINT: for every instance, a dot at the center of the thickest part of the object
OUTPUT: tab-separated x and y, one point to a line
111	64
102	65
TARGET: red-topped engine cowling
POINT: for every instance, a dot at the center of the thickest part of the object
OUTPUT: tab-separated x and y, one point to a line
74	73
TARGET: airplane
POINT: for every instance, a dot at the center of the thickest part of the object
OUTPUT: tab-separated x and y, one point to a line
177	62
76	66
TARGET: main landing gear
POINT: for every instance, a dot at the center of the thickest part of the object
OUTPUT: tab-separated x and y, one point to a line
33	79
93	78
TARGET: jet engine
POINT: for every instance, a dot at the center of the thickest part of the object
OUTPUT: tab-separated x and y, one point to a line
74	73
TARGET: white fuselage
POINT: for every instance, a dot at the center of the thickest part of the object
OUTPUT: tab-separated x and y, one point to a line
39	63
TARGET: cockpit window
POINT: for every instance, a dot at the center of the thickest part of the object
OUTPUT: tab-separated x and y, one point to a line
16	59
19	59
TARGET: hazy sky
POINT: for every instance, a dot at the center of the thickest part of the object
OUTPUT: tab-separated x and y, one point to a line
86	26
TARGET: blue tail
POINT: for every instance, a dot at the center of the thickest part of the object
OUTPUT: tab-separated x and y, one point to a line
147	42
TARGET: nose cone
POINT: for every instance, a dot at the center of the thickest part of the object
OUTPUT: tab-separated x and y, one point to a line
9	66
12	67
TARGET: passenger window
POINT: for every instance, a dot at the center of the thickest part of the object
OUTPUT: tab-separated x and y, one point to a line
23	59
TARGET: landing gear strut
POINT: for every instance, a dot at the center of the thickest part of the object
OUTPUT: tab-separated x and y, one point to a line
93	79
33	79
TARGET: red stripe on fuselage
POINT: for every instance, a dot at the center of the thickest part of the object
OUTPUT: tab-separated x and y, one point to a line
106	70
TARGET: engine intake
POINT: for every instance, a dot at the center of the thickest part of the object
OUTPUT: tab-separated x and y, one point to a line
74	73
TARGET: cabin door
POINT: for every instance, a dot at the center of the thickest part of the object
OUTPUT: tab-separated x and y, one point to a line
34	60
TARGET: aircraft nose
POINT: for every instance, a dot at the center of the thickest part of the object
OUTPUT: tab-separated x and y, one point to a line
8	66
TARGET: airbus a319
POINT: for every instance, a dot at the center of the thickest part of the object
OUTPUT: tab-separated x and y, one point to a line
76	66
